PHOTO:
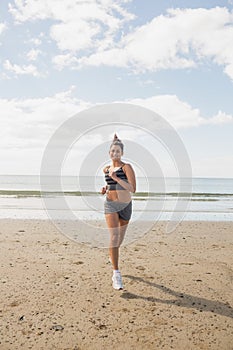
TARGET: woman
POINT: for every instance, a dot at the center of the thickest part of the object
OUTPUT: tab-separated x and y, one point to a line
120	178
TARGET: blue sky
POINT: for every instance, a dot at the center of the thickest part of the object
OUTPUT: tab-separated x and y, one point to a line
174	57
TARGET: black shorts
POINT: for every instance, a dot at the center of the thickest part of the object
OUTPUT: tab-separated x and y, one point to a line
124	210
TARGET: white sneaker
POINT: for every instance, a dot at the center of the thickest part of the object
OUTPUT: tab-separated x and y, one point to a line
117	281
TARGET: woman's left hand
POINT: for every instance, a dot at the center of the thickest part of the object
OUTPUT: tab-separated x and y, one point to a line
112	174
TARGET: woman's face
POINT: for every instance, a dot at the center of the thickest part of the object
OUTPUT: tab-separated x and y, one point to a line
115	152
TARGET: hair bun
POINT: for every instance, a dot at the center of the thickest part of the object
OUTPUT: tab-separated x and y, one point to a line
117	141
115	138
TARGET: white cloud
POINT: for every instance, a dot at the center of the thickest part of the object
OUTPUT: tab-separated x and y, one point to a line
33	54
83	38
79	25
2	27
181	39
221	118
21	70
60	61
212	166
30	122
35	41
179	113
87	32
26	125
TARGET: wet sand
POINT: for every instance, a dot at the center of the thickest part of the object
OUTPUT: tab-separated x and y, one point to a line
57	294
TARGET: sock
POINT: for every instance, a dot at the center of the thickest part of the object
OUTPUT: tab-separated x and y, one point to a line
116	271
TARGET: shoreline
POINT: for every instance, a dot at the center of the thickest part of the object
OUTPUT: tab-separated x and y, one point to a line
57	293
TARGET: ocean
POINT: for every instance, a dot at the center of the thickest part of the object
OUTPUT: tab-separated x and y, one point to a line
208	199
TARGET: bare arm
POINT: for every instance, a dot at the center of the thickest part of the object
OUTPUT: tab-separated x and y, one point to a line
105	188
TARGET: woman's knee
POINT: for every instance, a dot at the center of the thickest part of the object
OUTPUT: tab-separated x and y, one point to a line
114	238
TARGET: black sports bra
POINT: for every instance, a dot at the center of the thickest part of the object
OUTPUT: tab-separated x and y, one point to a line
112	184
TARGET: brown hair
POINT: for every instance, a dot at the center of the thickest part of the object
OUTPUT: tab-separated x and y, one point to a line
117	142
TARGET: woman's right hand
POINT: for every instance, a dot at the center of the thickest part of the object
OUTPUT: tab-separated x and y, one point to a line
103	190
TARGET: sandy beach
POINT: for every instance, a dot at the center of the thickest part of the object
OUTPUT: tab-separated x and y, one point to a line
57	294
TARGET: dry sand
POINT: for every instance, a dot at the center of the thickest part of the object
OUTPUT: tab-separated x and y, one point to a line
57	294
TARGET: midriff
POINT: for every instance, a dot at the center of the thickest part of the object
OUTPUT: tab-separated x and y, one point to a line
120	196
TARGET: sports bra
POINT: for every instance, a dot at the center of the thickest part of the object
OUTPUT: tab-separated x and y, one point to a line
112	184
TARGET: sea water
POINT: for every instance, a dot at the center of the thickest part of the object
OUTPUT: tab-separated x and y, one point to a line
22	197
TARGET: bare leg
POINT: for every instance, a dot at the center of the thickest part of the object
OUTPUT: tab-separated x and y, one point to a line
113	226
122	228
114	254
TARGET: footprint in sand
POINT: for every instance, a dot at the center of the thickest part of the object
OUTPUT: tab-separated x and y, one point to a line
78	262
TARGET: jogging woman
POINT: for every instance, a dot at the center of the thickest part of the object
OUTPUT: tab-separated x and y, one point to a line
121	182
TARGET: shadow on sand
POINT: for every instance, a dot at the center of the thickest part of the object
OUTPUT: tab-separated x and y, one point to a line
182	299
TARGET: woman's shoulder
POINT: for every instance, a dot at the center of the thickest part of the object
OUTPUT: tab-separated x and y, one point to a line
126	165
